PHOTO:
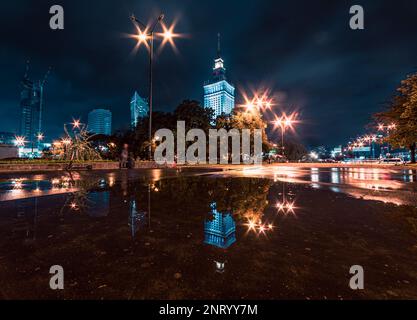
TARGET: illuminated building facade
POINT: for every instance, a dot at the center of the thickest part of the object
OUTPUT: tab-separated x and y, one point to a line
99	121
30	108
220	231
219	95
139	108
7	138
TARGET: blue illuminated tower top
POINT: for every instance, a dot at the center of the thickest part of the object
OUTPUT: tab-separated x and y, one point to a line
219	94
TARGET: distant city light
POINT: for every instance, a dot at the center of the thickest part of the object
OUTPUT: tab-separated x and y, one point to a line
314	155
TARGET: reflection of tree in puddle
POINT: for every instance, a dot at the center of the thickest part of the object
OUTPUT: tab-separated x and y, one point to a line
227	201
89	195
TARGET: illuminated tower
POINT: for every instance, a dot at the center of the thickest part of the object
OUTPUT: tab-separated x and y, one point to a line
139	108
219	94
220	231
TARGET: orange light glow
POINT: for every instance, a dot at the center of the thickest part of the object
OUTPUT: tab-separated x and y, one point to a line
66	141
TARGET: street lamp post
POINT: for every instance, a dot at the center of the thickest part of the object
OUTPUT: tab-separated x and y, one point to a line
150	35
284	122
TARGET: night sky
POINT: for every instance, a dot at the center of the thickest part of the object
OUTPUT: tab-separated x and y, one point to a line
304	51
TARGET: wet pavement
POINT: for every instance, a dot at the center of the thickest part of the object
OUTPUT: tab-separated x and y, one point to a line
252	233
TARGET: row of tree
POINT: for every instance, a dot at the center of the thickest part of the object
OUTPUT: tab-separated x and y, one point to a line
402	111
195	117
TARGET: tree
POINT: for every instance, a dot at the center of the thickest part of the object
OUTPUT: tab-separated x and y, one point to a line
402	111
245	120
294	150
77	146
194	115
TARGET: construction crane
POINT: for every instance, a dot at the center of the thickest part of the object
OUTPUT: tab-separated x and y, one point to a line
41	85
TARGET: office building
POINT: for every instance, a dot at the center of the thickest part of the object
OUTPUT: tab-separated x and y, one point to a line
139	108
99	121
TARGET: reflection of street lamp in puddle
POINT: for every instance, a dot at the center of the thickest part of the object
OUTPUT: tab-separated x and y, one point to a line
17	184
285	206
259	227
74	206
219	266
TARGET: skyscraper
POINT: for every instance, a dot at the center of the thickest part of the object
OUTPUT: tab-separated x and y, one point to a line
31	103
99	121
219	94
139	108
220	231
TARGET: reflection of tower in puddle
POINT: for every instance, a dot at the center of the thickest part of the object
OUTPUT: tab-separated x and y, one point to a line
409	176
140	218
335	179
220	232
26	218
315	178
137	218
98	204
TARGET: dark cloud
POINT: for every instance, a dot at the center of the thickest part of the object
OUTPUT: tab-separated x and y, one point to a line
302	50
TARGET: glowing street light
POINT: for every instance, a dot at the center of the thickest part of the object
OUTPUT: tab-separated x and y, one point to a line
285	122
249	106
258	103
251	225
76	123
20	141
144	35
40	136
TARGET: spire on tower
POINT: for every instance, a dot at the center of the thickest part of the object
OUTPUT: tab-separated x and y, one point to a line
218	45
27	69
